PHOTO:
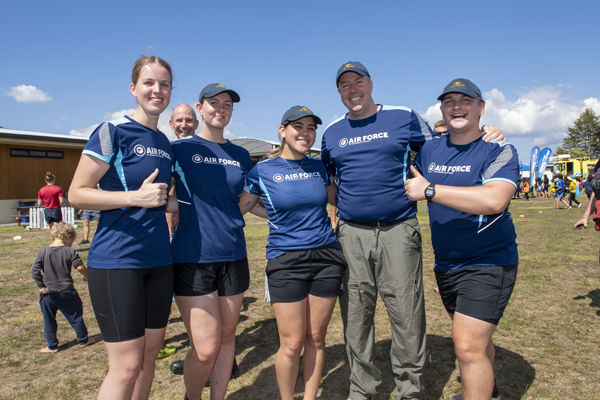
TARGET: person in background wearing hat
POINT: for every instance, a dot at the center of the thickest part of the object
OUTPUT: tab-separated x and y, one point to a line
305	264
209	247
368	150
468	185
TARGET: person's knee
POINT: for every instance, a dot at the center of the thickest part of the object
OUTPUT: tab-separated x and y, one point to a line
468	350
316	340
126	370
228	333
207	350
292	348
153	348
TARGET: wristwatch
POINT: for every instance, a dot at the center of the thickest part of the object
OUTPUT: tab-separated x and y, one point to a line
430	192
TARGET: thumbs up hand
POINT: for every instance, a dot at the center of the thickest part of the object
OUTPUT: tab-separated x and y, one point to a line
151	194
415	187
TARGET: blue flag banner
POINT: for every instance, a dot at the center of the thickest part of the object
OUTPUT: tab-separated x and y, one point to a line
535	153
544	157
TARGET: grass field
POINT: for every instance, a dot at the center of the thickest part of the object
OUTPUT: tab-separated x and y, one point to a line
547	344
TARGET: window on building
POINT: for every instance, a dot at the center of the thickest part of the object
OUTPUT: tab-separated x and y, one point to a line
37	153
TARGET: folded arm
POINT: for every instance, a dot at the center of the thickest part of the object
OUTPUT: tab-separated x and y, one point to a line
491	198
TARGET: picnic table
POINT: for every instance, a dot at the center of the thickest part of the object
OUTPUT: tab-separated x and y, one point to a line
20	213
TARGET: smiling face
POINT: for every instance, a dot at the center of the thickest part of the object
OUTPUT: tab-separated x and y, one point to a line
183	121
152	89
461	113
299	137
216	111
355	91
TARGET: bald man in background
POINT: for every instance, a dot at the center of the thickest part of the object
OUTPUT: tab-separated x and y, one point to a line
184	123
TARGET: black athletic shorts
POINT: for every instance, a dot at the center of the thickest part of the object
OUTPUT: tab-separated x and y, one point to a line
198	279
52	215
129	301
297	273
479	291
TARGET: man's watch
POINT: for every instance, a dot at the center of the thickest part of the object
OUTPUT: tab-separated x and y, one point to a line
430	192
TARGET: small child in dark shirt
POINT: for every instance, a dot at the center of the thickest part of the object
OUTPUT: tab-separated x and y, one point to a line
51	271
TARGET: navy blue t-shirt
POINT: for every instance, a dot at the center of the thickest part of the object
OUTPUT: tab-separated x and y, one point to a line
210	178
295	196
130	237
461	239
370	159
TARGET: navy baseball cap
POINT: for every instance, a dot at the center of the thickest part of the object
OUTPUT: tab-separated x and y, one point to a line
216	88
463	86
353	66
297	112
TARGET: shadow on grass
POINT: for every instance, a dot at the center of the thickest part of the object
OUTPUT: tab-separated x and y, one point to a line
513	373
73	343
180	341
594	295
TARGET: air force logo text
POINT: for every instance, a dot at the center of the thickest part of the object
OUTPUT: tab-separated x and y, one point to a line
198	159
445	169
362	139
140	151
296	177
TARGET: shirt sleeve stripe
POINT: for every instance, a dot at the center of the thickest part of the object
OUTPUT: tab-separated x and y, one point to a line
98	156
503	158
105	141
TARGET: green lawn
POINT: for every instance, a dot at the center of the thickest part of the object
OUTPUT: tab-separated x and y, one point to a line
547	344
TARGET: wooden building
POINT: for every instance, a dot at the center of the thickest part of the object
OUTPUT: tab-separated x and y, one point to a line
25	157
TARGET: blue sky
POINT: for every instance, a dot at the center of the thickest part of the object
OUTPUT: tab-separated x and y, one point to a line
66	66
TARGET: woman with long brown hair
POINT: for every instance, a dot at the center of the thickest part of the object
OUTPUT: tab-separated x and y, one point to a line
305	264
130	265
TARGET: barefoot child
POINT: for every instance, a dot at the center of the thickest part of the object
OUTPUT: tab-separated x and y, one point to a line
51	271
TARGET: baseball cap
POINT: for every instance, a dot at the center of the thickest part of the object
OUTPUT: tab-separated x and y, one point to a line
353	66
216	88
463	86
297	112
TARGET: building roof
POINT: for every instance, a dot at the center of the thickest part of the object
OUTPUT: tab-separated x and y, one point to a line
18	137
260	147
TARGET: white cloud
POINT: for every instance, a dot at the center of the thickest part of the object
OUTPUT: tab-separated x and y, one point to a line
229	135
86	132
163	124
541	115
118	114
28	94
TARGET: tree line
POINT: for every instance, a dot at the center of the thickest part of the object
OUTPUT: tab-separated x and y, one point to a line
582	140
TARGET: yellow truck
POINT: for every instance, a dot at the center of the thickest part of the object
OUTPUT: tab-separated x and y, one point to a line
576	167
